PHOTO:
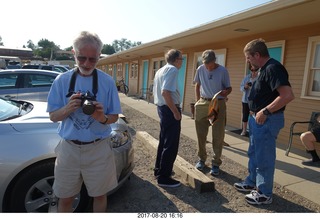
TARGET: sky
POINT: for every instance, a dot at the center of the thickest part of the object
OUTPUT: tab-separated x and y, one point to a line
60	21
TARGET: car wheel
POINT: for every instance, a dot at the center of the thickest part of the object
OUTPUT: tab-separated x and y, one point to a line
33	191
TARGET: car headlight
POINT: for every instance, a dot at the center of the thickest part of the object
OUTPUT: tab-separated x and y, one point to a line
119	138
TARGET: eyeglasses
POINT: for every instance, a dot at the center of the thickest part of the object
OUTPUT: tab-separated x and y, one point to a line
84	59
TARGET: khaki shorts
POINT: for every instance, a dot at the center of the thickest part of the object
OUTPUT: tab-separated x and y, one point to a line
91	164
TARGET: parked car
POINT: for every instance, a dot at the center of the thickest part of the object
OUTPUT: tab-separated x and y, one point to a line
26	84
57	68
17	66
27	158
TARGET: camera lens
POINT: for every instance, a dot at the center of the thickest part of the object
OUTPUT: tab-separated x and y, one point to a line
88	107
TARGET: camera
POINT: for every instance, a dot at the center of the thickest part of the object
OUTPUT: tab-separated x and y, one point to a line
249	84
86	103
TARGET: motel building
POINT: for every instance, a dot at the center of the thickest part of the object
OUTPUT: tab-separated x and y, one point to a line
291	30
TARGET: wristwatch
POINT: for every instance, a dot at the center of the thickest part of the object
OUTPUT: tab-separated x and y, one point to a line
266	112
105	122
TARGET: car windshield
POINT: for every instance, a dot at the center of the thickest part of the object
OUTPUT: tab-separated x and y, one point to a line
10	109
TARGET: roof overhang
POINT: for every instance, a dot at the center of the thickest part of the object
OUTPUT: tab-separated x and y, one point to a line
271	16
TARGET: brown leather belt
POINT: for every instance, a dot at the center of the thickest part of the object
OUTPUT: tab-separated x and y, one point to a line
207	99
84	143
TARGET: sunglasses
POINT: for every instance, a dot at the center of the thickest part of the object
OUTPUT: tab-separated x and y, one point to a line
84	59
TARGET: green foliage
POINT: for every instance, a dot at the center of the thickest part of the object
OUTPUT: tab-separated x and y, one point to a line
30	45
68	48
124	44
107	49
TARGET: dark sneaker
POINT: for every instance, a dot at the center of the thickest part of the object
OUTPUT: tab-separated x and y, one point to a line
156	175
311	163
215	171
256	198
200	165
168	182
243	187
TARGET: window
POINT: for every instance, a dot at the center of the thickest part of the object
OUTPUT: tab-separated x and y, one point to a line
220	59
134	70
8	80
311	80
39	80
119	68
276	49
157	64
110	70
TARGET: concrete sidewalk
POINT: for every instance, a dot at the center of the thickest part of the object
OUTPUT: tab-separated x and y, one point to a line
290	173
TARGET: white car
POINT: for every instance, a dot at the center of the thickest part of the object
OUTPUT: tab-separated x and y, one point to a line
28	139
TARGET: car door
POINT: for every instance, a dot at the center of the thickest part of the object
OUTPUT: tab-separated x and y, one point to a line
9	83
36	86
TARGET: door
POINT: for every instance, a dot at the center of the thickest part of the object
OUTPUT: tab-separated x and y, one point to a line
127	74
145	78
181	78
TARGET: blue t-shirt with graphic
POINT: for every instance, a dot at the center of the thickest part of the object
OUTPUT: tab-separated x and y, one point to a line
79	126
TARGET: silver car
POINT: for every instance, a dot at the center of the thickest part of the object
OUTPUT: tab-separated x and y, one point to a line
26	84
28	139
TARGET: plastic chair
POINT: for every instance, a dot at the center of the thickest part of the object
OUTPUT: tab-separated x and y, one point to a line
314	121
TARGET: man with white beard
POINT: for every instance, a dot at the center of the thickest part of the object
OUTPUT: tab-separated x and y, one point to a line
86	102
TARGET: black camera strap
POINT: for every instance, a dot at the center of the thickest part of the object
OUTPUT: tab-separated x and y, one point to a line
73	82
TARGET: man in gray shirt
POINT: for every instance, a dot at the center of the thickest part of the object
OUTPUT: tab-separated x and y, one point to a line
210	79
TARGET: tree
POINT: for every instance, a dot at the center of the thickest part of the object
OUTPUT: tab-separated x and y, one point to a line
124	44
108	49
46	49
68	48
30	45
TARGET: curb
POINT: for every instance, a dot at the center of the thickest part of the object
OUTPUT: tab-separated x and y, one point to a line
195	178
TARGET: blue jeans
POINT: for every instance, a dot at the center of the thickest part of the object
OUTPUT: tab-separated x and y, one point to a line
262	152
170	129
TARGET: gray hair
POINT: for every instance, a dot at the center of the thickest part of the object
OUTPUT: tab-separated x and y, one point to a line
86	38
208	56
172	55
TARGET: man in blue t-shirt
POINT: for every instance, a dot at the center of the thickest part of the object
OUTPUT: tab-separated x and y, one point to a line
84	154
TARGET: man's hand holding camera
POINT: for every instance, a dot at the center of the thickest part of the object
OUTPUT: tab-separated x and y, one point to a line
74	103
88	104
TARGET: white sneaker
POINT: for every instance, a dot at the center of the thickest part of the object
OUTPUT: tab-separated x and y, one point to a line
244	133
256	198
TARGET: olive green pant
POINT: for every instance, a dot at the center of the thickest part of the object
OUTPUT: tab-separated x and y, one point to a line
218	130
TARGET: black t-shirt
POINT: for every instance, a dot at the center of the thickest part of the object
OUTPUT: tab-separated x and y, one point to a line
264	90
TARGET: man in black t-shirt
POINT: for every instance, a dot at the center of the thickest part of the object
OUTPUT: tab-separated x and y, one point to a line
270	93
